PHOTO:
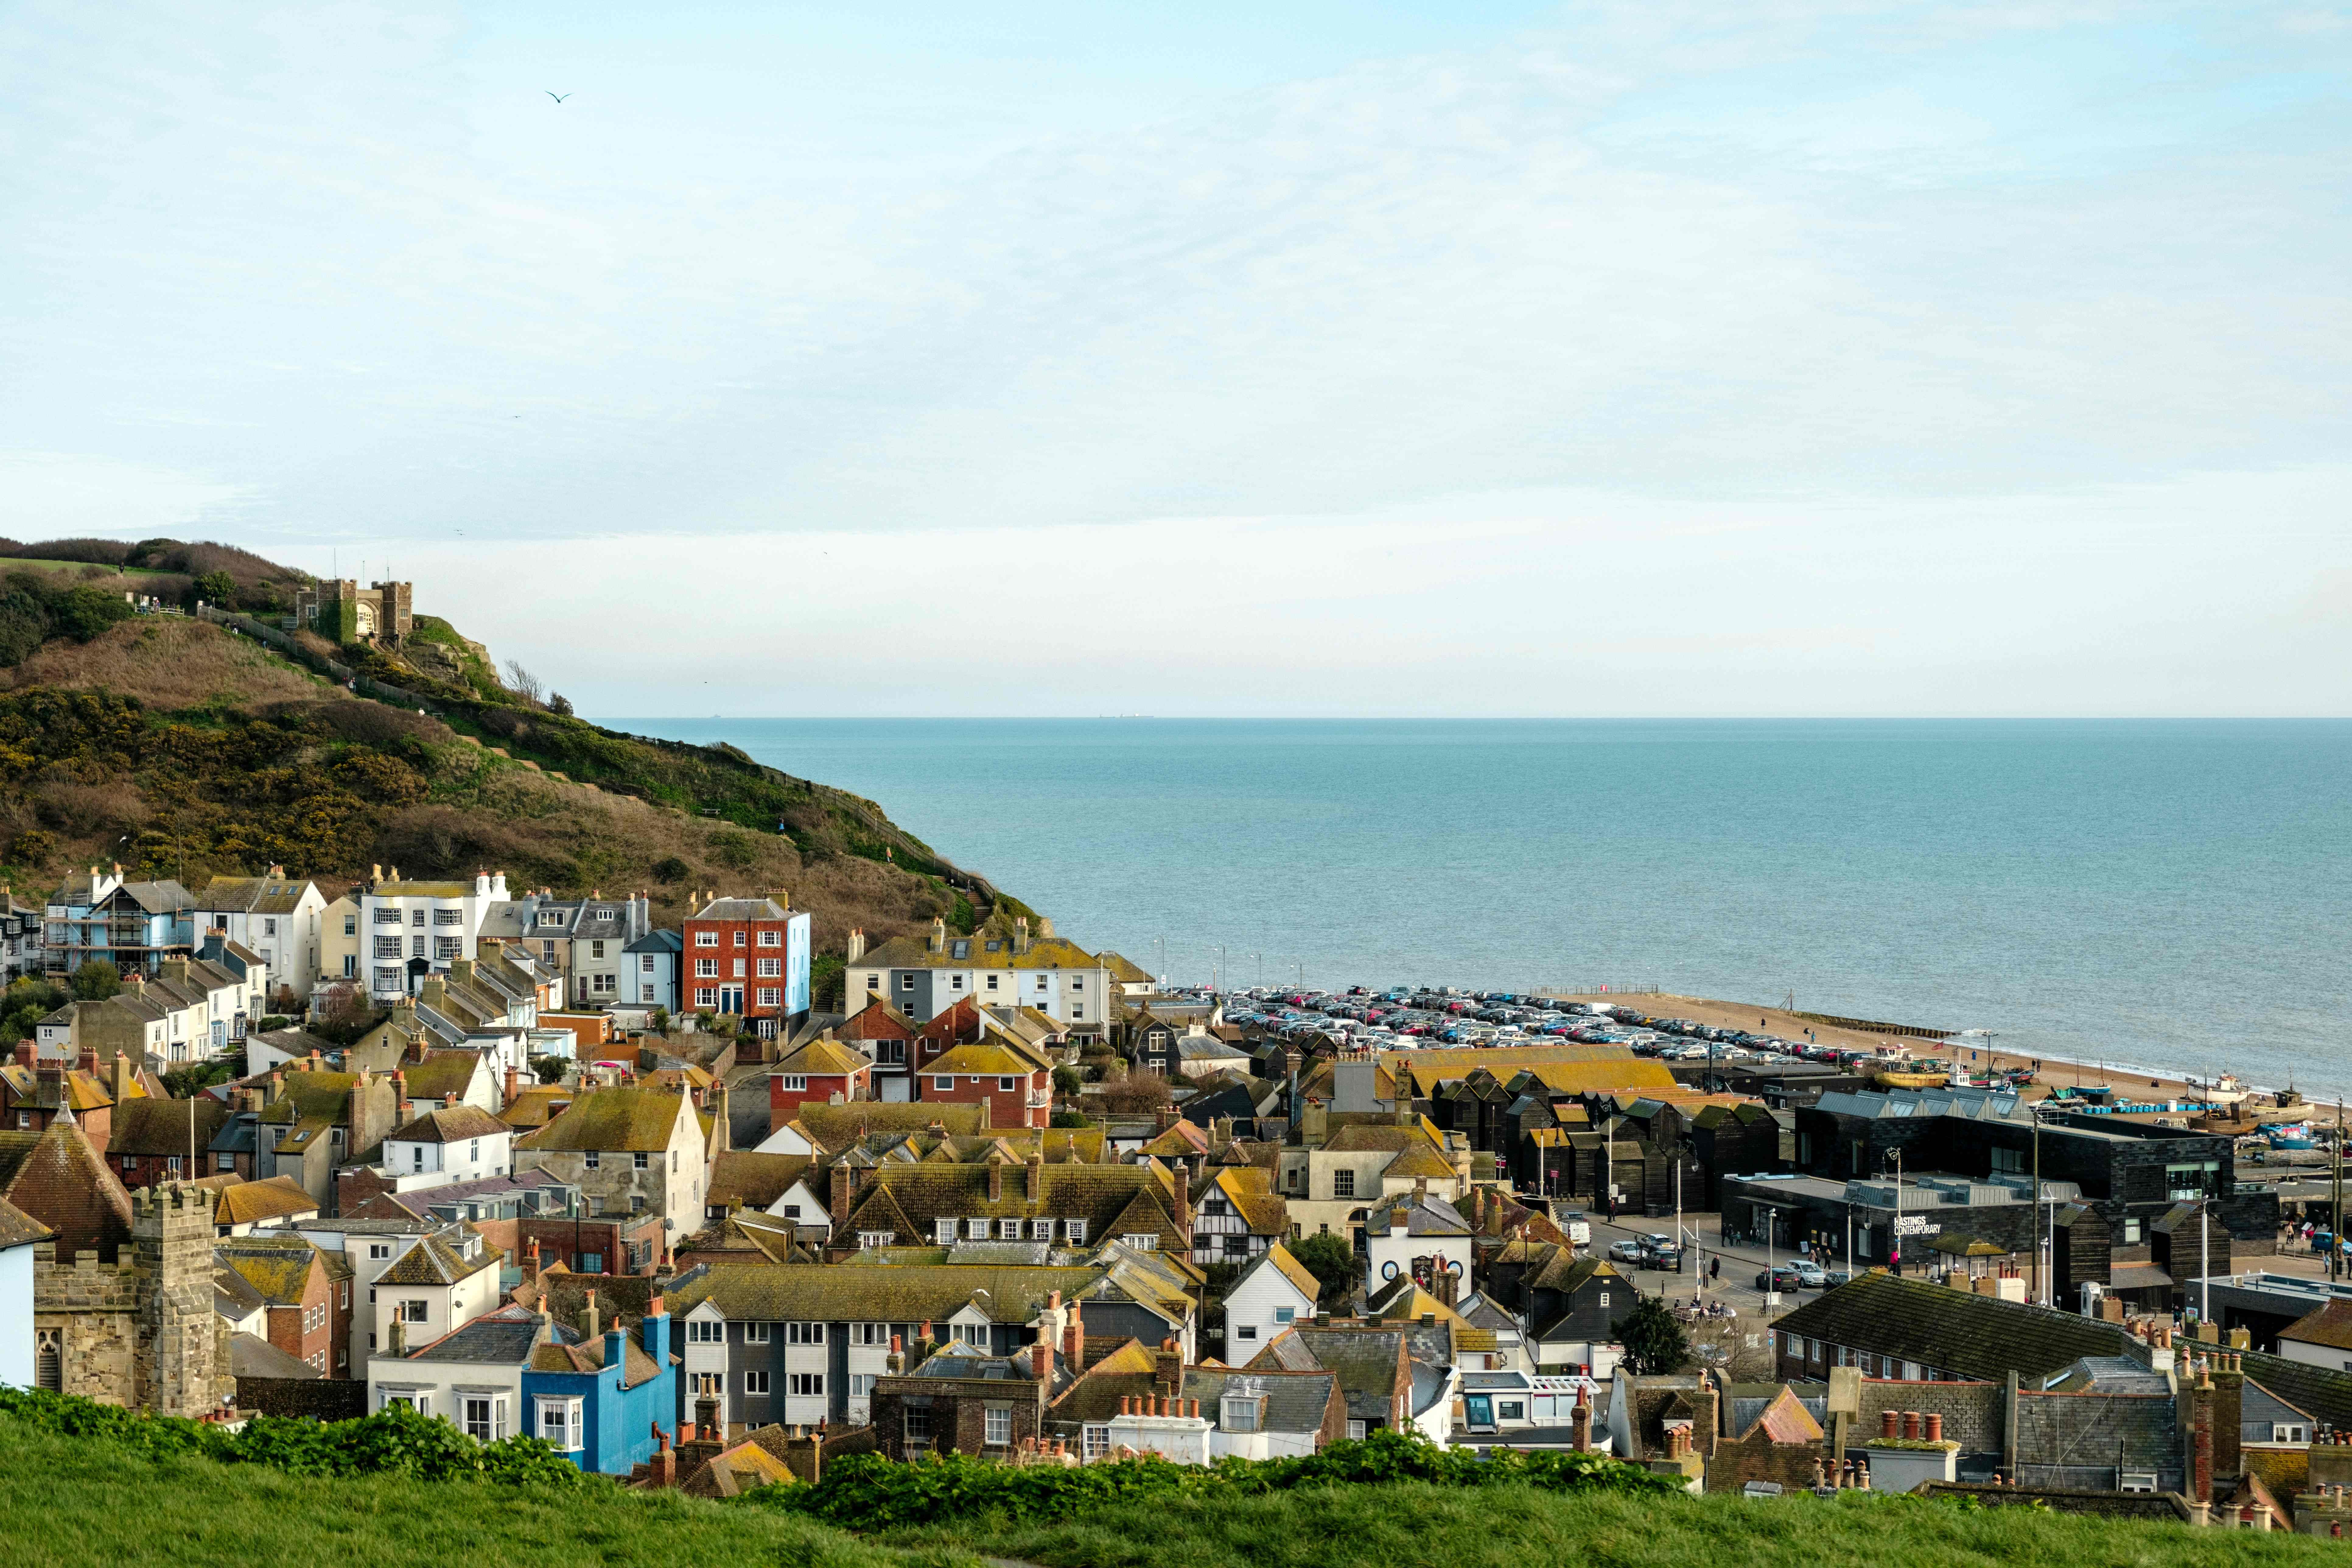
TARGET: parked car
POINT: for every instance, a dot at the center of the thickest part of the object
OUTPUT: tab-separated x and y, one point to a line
1624	1252
1780	1276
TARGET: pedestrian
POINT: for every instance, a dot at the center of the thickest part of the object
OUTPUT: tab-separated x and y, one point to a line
1714	1270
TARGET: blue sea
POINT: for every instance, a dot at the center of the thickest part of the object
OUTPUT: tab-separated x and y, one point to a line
2175	894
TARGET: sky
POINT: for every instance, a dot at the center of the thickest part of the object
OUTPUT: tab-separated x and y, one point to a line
1674	359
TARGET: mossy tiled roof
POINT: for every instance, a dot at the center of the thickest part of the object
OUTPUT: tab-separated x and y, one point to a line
625	1120
279	1197
753	1179
279	1273
985	1060
830	1058
835	1127
1102	1196
907	1294
441	1073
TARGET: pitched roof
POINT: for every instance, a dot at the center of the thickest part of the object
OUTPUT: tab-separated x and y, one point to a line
432	1261
2330	1325
250	1355
836	1127
56	1177
822	1056
247	1203
877	1020
449	1124
626	1120
18	1228
1106	1197
906	1293
251	895
1953	1331
986	1058
441	1073
1278	1258
753	1179
1371	1363
1293	1401
505	1337
1250	1189
161	1126
279	1268
532	1105
1420	1160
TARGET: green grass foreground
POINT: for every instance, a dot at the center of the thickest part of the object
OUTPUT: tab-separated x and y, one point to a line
1411	1523
71	1501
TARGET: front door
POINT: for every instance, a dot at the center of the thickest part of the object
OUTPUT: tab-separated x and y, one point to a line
730	999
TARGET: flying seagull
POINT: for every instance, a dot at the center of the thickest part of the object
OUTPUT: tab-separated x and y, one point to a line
559	97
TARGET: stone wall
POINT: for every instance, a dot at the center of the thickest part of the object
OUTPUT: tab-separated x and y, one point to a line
92	1308
320	1398
140	1332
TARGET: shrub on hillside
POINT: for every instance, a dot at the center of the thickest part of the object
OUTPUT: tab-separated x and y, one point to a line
867	1491
394	1441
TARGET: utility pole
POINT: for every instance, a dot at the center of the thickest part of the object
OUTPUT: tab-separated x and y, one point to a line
2205	1260
2335	1214
2040	1271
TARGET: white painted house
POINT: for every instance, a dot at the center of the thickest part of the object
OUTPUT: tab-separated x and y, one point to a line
416	928
1399	1237
449	1142
1271	1295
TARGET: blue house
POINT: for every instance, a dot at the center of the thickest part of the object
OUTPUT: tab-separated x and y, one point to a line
649	970
132	925
598	1397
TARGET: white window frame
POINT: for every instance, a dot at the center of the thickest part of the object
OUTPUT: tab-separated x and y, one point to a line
759	1332
559	1413
756	1380
996	1427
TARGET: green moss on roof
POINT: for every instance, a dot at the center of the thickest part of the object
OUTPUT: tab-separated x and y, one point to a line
622	1119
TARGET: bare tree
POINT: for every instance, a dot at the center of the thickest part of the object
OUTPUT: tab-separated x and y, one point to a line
523	683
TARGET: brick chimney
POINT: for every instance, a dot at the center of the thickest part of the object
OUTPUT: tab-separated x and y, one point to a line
1041	1360
1167	1367
995	1180
2229	1405
1183	1175
1035	1187
1580	1424
840	1194
1074	1336
514	1084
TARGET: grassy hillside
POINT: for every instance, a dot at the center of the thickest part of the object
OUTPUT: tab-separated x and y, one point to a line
88	1502
187	750
73	1501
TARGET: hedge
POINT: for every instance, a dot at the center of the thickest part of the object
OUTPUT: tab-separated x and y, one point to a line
867	1491
394	1441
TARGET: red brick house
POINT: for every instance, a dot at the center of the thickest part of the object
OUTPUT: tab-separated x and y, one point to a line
306	1293
820	1069
887	1038
1013	1088
745	957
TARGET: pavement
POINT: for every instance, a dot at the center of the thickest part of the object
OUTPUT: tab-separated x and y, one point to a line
1702	1240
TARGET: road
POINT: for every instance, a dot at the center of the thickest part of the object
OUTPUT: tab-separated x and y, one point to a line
1742	1264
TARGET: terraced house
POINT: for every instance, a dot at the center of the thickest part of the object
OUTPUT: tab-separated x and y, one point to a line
306	1296
1007	1198
132	925
800	1345
749	958
275	916
412	929
583	941
924	976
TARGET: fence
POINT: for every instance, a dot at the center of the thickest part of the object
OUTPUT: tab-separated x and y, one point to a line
1607	988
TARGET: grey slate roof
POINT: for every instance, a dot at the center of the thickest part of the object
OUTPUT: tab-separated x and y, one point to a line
249	1355
1295	1401
2084	1439
1953	1331
503	1338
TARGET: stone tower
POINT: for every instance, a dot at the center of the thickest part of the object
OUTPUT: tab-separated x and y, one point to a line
180	1364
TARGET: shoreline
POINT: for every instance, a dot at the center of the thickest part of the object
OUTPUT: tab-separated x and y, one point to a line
2129	1080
